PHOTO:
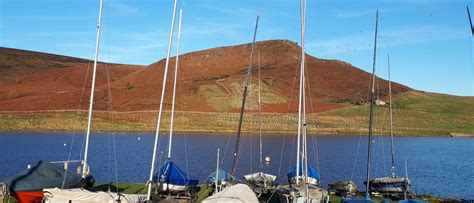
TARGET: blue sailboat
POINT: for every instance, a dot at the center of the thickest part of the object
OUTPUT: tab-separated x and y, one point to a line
313	175
171	178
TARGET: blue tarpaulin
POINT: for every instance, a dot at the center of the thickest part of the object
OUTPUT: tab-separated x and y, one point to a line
170	173
222	175
42	175
312	172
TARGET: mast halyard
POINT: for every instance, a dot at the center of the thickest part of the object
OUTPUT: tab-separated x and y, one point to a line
260	114
372	100
391	117
158	124
246	83
91	101
174	86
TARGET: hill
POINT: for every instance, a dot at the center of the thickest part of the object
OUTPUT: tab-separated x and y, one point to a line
51	92
212	79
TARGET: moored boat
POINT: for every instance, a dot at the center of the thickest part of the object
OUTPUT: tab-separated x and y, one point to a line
233	194
343	188
390	186
27	185
172	179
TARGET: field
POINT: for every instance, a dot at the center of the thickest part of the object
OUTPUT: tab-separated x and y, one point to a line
415	114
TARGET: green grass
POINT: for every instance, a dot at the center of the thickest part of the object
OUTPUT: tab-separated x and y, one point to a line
203	192
415	114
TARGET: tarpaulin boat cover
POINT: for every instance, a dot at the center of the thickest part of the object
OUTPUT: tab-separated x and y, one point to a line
222	175
312	172
42	175
170	173
233	194
56	195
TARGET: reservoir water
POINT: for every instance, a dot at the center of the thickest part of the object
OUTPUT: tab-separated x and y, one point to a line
436	166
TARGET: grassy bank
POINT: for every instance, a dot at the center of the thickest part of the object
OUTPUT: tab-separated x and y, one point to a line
415	114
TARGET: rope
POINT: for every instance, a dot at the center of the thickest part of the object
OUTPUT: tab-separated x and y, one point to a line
79	106
288	124
111	117
313	112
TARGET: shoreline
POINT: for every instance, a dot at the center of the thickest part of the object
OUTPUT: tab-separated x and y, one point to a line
226	123
228	133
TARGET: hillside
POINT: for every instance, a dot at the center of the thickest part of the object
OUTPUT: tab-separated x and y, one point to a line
209	81
40	81
45	91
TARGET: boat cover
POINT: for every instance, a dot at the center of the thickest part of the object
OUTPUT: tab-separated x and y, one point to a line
56	195
222	175
42	175
312	172
260	177
233	194
170	173
390	180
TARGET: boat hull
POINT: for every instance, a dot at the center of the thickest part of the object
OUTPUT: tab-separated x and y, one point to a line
287	194
29	197
260	182
389	186
173	188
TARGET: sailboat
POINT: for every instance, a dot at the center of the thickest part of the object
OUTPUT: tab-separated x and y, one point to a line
59	195
391	186
29	185
220	179
235	192
372	101
303	178
260	182
170	179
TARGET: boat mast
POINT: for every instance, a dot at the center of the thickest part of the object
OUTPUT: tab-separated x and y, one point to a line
91	101
470	22
391	116
301	93
246	83
372	100
158	122
174	87
303	66
217	172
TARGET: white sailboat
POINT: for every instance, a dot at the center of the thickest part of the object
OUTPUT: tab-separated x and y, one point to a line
369	147
391	186
260	182
238	192
303	178
56	195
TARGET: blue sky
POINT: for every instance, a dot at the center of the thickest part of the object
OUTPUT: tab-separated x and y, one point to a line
428	40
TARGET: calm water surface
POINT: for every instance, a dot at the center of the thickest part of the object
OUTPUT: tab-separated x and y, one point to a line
436	166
